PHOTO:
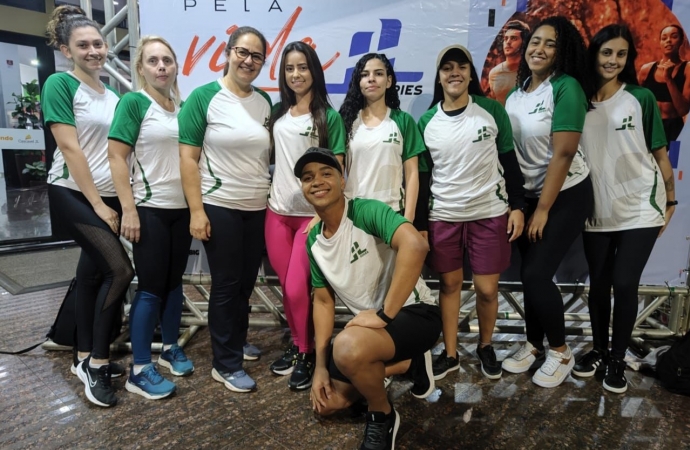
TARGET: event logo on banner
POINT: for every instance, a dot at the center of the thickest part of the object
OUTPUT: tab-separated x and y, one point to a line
340	32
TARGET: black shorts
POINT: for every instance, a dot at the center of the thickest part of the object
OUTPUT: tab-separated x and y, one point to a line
414	330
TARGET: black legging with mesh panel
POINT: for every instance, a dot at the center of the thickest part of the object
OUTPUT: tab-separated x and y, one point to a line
104	271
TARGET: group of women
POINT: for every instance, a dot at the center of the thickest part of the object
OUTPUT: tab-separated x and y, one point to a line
470	174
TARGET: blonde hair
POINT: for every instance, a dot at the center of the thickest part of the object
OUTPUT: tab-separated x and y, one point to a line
63	21
139	64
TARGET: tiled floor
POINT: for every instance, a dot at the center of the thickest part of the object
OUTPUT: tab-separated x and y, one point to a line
42	405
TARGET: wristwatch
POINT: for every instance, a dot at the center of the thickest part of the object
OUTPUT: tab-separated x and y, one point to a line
671	203
382	315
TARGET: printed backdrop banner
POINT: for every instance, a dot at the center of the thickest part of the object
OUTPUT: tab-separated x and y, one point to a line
411	33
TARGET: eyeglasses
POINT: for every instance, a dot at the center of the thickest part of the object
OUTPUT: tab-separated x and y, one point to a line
243	53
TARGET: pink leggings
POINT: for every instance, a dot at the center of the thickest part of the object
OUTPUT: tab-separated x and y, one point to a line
287	253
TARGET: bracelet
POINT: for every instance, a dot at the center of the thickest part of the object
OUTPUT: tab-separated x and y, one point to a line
672	203
382	315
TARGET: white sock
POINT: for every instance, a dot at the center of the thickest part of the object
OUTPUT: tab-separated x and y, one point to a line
167	347
137	368
96	366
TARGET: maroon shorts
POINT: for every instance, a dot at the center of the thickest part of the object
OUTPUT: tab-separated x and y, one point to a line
485	240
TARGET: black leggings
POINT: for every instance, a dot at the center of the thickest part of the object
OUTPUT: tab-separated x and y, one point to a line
616	259
104	271
234	253
160	256
540	260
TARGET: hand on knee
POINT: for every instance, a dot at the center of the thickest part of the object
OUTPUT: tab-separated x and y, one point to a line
348	353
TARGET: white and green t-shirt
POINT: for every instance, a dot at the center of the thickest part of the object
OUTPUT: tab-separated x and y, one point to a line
235	144
618	138
65	99
357	261
143	124
292	137
466	177
557	104
375	157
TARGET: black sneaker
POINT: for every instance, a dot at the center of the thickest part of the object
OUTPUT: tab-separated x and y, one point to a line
97	385
590	363
615	380
303	372
490	367
421	373
380	431
116	370
286	363
444	364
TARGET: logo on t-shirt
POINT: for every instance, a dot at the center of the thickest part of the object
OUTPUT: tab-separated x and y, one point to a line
357	252
627	124
482	134
539	108
392	138
310	132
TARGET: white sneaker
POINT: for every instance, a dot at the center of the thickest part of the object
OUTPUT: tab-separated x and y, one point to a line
555	369
523	359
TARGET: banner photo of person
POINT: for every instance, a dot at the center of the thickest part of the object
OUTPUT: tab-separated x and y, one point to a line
412	32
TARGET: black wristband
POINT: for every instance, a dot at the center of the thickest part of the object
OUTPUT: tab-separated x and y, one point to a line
382	315
673	203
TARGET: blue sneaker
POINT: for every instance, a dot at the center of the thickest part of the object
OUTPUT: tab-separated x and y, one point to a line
237	381
175	360
149	383
251	353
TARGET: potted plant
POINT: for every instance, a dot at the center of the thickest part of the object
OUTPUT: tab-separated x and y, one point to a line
37	171
26	105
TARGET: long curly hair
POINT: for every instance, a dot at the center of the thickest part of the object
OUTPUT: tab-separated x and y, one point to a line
571	54
613	31
458	56
65	19
319	96
354	99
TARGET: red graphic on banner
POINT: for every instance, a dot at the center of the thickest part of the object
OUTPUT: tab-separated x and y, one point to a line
217	61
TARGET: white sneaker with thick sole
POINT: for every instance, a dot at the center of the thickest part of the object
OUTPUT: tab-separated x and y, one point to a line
523	359
555	369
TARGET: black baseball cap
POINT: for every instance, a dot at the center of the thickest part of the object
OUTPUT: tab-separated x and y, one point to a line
316	154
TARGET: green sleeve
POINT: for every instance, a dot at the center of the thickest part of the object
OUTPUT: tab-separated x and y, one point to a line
318	280
57	99
192	117
570	105
413	144
654	134
425	162
504	139
266	96
129	114
375	218
275	108
336	131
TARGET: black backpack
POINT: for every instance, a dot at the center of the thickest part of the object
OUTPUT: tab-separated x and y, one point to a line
64	329
673	366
